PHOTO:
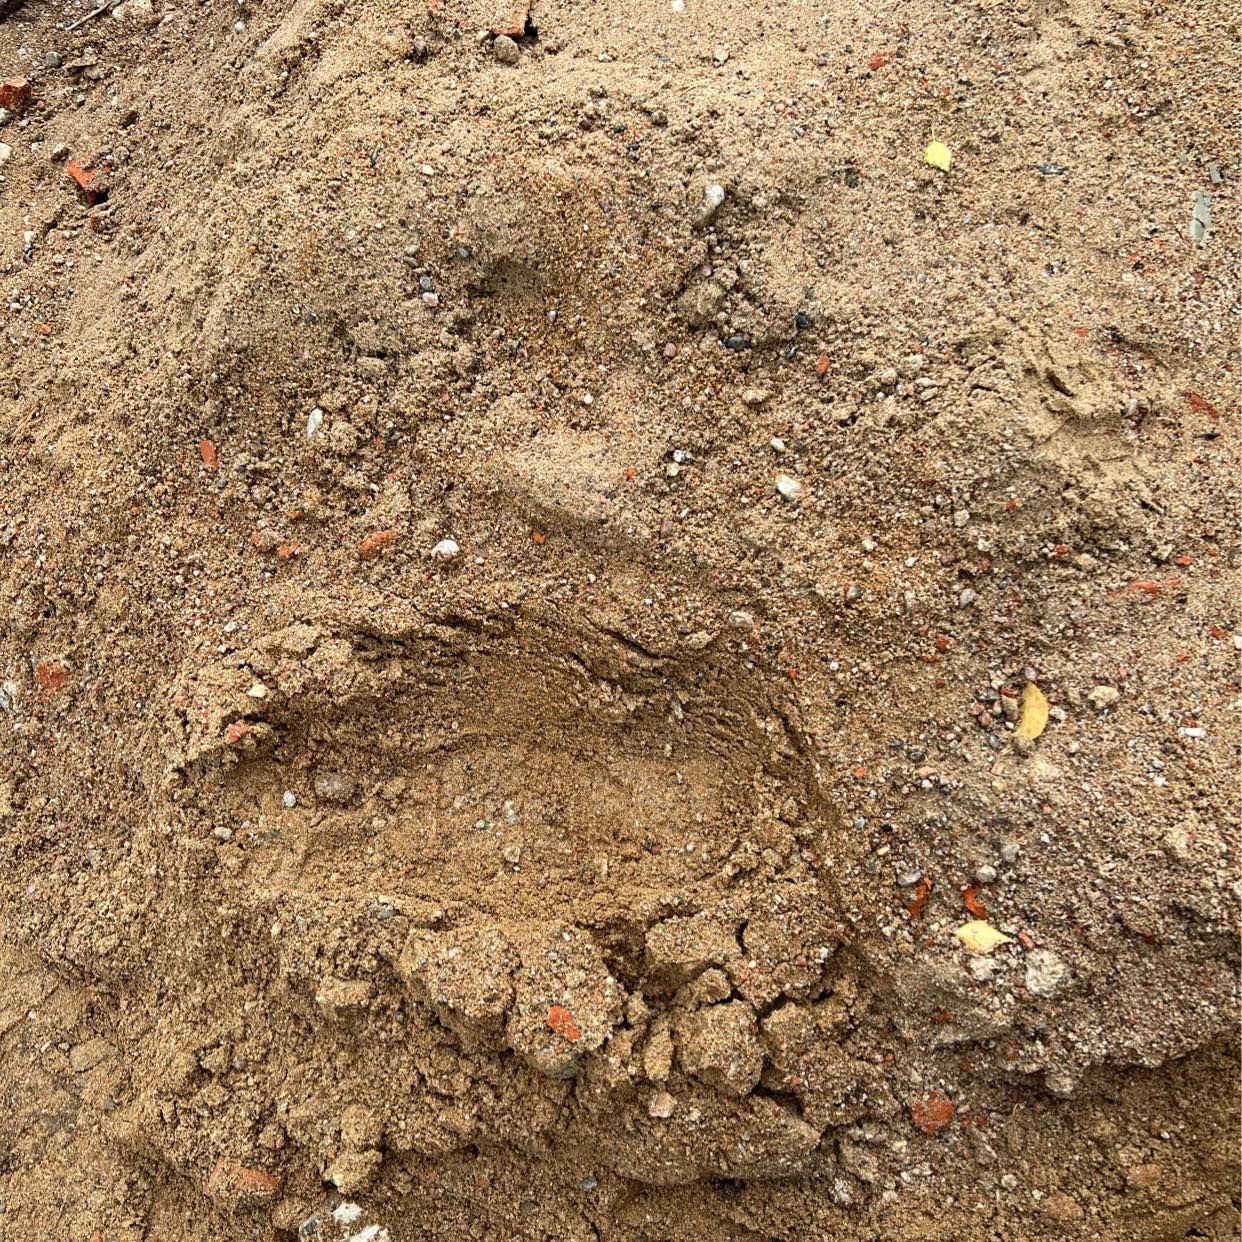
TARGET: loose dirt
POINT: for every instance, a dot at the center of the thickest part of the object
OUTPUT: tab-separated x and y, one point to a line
526	535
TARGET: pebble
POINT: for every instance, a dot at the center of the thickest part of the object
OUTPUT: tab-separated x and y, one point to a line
52	60
1009	851
445	550
961	517
333	787
431	299
6	152
289	799
986	874
1103	697
661	1105
222	833
506	50
789	487
740	619
720	56
737	342
1045	972
59	152
778	445
257	691
967	598
314	421
908	877
713	200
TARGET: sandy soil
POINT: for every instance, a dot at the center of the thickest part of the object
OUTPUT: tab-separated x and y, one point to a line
524	562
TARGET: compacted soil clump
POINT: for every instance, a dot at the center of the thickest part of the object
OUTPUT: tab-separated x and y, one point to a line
619	622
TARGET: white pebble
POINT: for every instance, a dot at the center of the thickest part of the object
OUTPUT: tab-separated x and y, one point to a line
314	420
789	487
445	550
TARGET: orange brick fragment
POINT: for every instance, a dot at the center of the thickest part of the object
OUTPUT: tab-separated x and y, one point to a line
235	732
14	93
51	677
932	1113
237	1181
82	178
371	545
562	1023
210	454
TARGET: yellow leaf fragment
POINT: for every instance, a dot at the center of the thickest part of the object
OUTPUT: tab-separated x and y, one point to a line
981	937
1034	712
938	155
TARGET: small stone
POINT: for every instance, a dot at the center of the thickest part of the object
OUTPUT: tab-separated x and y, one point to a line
333	787
59	152
314	421
431	300
985	874
506	50
961	518
137	13
1144	1176
1061	1209
983	968
289	799
720	56
661	1105
1009	851
740	619
713	200
52	60
755	396
222	833
967	597
778	445
257	691
588	1184
1045	972
737	342
1103	697
908	877
6	153
790	488
445	550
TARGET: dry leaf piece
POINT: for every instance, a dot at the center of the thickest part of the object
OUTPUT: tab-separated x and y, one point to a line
1034	712
981	937
938	156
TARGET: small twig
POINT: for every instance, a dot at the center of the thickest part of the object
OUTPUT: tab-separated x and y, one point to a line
103	8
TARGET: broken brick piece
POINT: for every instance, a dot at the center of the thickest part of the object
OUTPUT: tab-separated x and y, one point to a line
373	543
562	1023
932	1113
82	178
235	1181
14	93
515	24
51	677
